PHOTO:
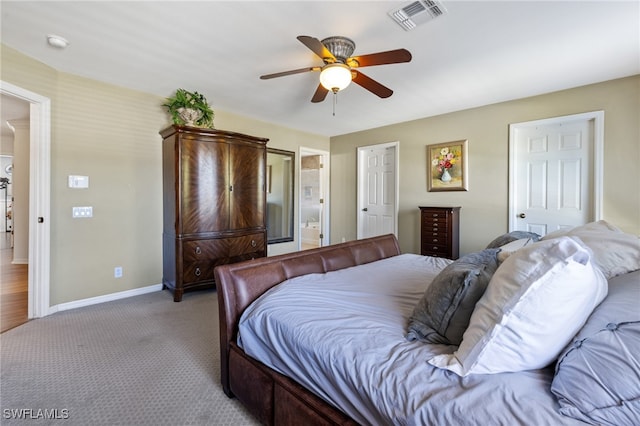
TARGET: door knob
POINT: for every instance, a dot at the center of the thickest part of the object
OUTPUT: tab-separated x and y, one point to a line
522	215
365	209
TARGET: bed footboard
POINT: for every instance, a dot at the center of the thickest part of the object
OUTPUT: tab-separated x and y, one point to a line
266	393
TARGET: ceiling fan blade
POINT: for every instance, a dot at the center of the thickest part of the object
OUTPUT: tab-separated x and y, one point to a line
371	85
317	47
283	73
320	94
382	58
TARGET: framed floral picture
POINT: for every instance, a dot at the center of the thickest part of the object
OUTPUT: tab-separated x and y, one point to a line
447	166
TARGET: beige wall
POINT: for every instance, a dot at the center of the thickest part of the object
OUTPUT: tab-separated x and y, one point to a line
6	144
111	135
485	205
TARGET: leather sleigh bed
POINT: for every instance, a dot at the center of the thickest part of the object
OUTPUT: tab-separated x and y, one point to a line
530	330
270	396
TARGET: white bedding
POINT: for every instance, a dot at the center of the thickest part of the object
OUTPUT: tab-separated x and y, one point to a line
342	336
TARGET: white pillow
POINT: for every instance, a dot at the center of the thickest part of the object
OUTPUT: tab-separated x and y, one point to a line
614	251
536	301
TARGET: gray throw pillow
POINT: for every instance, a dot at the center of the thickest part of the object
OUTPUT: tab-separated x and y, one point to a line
443	313
512	236
597	379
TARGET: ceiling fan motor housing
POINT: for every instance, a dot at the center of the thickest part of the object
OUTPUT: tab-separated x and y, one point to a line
341	47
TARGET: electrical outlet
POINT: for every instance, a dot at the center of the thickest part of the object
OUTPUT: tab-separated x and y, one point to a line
117	272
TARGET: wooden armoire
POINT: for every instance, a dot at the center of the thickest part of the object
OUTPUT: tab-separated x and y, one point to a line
214	202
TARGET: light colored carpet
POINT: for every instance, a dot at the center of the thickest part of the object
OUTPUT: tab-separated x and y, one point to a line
145	360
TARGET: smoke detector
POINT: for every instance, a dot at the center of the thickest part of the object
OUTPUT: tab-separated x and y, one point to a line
416	13
57	41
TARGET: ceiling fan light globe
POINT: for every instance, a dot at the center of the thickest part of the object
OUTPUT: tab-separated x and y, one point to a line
335	77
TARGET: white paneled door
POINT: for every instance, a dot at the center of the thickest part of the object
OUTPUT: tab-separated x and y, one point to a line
377	190
553	177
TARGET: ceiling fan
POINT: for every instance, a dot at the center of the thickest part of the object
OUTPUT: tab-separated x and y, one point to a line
340	68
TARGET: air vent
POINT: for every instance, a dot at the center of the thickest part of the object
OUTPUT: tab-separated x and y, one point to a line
417	13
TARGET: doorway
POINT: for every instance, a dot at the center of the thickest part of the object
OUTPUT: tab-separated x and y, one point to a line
39	197
377	190
14	276
313	228
555	172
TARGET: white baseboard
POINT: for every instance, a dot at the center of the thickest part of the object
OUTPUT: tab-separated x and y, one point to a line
20	262
106	298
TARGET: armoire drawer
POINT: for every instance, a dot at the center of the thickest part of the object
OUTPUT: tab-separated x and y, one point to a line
437	254
198	250
435	215
437	227
246	244
430	224
193	272
435	239
434	250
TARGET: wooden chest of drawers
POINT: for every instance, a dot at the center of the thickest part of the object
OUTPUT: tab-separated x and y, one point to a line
440	232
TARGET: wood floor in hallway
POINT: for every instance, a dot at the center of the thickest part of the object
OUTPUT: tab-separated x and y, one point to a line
14	288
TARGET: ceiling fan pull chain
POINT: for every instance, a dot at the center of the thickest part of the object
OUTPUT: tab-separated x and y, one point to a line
335	101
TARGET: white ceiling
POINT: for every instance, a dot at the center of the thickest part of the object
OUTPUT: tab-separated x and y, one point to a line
478	53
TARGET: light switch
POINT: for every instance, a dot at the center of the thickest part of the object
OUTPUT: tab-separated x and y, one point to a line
82	212
76	181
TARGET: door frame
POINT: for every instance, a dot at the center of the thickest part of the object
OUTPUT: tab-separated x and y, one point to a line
326	187
39	198
360	183
596	167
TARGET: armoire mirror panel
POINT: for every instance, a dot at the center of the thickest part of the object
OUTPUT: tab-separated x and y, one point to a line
280	176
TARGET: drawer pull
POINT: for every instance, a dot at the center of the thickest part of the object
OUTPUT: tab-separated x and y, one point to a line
435	240
253	243
198	250
435	247
435	215
435	220
198	272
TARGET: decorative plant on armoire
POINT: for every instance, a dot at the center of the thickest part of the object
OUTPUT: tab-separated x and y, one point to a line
190	109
